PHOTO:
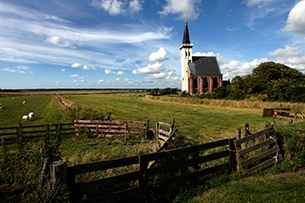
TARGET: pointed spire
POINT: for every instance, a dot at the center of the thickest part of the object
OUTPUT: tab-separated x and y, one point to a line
186	37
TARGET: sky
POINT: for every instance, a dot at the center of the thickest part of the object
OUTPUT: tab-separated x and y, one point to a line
135	43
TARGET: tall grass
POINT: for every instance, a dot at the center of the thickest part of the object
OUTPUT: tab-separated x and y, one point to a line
287	187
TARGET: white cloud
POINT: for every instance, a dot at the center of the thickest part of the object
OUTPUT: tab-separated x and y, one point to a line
84	67
135	6
150	68
159	55
88	67
296	18
17	69
120	73
108	72
76	65
257	2
57	41
237	68
55	18
186	9
118	7
113	7
291	55
286	52
74	75
63	70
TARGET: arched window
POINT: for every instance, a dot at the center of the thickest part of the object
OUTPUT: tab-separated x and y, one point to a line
205	84
215	83
195	83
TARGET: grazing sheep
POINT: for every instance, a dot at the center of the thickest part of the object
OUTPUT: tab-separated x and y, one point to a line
23	102
25	117
31	115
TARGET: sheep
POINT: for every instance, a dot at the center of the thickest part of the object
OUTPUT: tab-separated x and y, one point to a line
23	102
31	116
25	117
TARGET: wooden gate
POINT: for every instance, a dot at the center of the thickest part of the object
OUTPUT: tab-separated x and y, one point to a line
256	152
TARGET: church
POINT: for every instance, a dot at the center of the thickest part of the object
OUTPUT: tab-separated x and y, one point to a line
200	74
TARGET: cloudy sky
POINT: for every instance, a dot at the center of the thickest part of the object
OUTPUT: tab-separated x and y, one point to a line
135	43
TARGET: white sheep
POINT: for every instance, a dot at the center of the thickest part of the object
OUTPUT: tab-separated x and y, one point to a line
23	102
25	117
30	115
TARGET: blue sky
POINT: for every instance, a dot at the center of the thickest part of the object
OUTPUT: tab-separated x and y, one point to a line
135	43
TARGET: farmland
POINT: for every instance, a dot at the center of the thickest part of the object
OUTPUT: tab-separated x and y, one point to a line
198	120
193	119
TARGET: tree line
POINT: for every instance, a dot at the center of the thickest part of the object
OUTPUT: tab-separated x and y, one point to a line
269	81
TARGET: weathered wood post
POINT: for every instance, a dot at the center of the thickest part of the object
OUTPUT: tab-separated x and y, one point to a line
238	133
238	136
142	173
58	173
232	156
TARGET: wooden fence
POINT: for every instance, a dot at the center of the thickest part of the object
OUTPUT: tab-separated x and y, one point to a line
175	167
256	152
163	132
10	134
131	130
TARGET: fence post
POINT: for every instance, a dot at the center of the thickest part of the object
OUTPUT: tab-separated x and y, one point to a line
143	168
58	173
232	155
58	178
238	133
238	136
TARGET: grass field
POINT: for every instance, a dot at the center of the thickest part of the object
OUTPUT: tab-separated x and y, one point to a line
200	121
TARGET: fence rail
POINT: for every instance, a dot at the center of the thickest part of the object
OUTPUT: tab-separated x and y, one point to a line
10	134
174	166
132	130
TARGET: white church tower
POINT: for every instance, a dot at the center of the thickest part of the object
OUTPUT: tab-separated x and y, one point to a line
186	57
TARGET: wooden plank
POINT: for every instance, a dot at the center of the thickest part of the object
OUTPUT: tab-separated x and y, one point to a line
255	147
164	132
165	125
103	165
185	150
163	138
251	137
98	185
261	166
260	156
179	164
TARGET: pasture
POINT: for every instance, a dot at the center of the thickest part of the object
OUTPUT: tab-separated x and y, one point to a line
197	121
200	121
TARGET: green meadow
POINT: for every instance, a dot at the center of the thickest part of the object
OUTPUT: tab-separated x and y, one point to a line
196	119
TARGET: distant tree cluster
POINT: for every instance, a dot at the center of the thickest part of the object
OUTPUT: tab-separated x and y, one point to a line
165	91
269	82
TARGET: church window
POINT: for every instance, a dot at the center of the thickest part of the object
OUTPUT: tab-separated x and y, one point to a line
195	83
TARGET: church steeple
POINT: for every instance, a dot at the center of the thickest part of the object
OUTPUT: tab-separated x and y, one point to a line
186	43
186	57
186	37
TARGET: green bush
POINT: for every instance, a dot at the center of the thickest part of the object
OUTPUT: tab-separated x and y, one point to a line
292	141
